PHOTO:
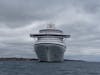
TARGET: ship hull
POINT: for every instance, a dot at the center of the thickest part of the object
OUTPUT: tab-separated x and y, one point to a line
47	52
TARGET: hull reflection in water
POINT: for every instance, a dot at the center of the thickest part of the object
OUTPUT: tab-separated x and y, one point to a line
50	52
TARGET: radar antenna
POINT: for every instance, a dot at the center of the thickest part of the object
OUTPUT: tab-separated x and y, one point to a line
50	26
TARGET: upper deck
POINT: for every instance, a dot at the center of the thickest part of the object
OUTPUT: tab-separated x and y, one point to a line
50	31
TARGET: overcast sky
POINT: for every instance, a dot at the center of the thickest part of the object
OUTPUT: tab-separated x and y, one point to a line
79	18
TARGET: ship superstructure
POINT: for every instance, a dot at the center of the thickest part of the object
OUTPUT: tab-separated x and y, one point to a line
50	45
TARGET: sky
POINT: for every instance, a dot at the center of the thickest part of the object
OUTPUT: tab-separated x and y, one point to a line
78	18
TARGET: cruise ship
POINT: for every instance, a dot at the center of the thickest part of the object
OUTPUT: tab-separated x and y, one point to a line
50	45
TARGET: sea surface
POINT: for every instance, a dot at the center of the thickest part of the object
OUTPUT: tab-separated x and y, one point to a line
36	68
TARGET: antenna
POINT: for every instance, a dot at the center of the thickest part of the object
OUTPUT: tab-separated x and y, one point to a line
50	26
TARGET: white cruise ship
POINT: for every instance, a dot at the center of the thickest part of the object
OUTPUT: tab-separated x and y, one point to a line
50	45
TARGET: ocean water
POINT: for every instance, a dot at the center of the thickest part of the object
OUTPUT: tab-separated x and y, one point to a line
36	68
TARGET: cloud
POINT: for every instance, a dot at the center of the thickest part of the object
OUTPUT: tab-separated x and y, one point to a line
19	18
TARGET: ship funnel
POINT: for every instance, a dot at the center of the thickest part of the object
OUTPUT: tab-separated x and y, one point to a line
51	26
